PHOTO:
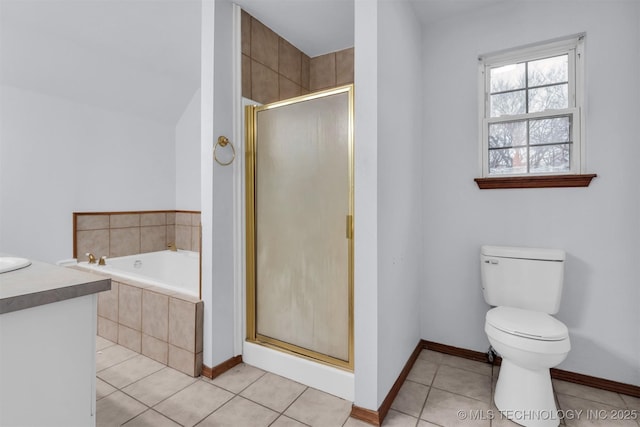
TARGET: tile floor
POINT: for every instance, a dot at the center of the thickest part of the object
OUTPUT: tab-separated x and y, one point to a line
133	390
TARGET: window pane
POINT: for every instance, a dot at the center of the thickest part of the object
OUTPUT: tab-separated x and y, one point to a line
507	134
549	98
507	161
546	131
508	103
550	158
548	71
508	77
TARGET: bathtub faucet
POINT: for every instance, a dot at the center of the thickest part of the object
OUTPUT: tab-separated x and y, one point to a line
92	257
103	260
172	247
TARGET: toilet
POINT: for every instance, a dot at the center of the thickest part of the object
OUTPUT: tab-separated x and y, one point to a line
524	285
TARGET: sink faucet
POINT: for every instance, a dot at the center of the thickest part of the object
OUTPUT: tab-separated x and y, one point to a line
92	257
172	246
103	260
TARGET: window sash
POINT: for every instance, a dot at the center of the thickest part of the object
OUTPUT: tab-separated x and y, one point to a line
547	54
573	47
574	140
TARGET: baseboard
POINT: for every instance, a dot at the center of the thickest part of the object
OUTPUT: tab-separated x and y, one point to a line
366	415
601	383
221	368
558	374
454	351
376	417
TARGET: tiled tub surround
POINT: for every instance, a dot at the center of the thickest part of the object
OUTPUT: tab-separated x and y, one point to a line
115	234
162	325
273	69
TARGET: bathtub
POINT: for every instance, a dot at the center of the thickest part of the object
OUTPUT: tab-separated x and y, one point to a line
176	271
153	307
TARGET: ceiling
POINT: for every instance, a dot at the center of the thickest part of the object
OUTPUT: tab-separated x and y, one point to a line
321	26
315	27
143	56
136	57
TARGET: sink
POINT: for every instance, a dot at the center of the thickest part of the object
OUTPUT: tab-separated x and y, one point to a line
9	263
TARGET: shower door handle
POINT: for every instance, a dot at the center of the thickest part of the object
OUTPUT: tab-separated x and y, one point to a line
349	226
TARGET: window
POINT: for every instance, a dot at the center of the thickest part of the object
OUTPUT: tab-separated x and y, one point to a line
530	110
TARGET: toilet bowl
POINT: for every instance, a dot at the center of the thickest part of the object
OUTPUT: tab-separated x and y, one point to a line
524	285
530	343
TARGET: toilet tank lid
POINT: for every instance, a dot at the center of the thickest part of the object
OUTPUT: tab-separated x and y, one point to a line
523	253
527	323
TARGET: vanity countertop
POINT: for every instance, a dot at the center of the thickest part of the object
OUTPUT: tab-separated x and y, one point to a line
42	283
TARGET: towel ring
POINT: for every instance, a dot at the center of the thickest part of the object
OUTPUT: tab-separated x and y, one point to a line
222	142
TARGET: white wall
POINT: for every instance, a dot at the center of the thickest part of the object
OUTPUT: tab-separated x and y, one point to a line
217	108
399	188
597	226
366	205
187	152
388	190
58	156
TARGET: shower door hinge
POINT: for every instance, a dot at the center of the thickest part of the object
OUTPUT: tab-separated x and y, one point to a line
349	226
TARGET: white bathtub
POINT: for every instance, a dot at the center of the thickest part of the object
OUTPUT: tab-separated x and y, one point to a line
175	271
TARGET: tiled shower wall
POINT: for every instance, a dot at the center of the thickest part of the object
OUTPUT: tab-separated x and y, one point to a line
273	69
126	233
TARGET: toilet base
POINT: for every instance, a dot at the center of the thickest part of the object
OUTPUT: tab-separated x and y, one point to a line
526	396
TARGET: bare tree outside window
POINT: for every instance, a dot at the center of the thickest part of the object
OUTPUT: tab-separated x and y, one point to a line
530	145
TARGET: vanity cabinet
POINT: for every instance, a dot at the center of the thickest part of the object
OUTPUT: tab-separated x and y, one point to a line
47	346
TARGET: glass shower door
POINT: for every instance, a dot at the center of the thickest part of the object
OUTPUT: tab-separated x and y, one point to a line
299	226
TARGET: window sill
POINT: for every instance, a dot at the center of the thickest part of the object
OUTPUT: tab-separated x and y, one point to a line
547	181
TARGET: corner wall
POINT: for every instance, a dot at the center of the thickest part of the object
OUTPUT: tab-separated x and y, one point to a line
598	226
400	145
388	194
58	156
187	153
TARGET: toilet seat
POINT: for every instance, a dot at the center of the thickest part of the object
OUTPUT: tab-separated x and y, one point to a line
527	324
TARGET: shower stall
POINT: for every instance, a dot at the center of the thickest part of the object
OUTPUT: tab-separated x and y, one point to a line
299	219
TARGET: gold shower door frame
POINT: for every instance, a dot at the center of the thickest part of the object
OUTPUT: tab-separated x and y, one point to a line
252	145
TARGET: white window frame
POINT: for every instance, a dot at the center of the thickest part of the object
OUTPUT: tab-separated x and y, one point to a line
574	47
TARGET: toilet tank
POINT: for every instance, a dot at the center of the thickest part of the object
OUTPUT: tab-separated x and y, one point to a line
527	278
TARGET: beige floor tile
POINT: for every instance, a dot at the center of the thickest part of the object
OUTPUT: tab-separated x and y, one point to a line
113	355
352	422
589	393
431	356
582	412
130	371
451	410
423	371
500	420
194	403
317	408
116	409
469	365
158	386
423	423
410	398
631	402
495	371
283	421
238	378
463	382
151	418
102	343
240	412
398	419
103	389
273	391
